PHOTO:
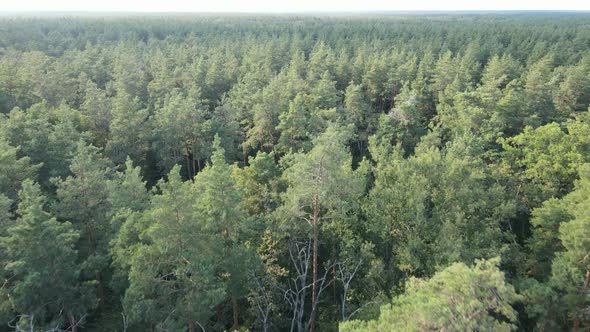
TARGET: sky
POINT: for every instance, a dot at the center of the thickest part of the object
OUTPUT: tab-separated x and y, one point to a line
274	6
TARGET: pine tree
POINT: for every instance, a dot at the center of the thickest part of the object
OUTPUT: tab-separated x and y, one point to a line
458	298
83	198
129	198
46	135
295	127
219	202
181	132
322	185
260	184
573	95
14	170
130	130
43	287
174	271
358	111
96	109
571	267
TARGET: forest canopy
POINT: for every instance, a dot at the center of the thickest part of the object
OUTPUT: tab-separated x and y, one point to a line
295	173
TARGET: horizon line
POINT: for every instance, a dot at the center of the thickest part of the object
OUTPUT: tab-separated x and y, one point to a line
370	11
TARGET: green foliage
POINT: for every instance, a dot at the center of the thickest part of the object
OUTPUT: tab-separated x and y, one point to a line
83	199
406	122
456	298
295	126
322	177
96	113
173	276
358	111
42	282
388	146
544	241
5	214
558	254
129	198
545	159
570	266
259	183
426	212
181	131
14	170
47	135
574	91
129	130
219	204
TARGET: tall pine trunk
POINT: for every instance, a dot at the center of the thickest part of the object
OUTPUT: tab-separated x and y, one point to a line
235	308
314	280
189	172
73	323
101	290
577	321
98	274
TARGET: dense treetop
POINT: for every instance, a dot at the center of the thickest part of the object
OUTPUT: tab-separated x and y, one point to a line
303	173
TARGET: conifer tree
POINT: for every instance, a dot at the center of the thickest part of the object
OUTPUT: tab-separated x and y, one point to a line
129	130
14	170
174	276
42	286
219	203
83	199
459	297
129	198
322	186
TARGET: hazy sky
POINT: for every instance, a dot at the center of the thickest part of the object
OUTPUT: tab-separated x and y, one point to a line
286	6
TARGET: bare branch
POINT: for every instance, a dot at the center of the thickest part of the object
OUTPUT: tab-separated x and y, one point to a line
361	307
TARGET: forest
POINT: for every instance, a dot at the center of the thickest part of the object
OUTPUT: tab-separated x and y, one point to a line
295	172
